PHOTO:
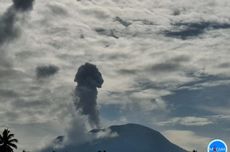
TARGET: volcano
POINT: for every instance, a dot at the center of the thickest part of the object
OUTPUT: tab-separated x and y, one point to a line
128	138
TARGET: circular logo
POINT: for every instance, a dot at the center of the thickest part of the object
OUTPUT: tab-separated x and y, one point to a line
217	145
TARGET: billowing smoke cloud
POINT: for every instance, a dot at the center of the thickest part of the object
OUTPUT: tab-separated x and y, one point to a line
79	130
78	134
88	79
8	30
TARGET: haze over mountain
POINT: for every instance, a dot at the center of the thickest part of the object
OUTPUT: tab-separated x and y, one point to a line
125	138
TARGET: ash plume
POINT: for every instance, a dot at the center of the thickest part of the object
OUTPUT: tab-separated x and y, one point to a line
88	79
8	29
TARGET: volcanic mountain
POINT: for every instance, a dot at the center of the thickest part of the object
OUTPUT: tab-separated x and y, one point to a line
128	138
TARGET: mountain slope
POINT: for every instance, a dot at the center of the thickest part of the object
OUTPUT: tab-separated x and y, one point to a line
130	138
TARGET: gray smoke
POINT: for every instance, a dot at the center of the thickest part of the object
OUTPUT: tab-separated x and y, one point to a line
88	79
8	29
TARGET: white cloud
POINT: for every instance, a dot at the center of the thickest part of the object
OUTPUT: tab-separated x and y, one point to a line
188	139
187	121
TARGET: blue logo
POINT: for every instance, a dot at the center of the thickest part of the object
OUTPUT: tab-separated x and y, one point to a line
217	145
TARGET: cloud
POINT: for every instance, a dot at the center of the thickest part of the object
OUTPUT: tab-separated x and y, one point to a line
187	139
166	67
188	121
77	133
10	24
8	28
23	5
123	22
7	93
29	104
106	32
8	31
186	30
194	96
78	130
46	71
58	9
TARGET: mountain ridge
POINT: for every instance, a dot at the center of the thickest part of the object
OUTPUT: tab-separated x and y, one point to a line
129	138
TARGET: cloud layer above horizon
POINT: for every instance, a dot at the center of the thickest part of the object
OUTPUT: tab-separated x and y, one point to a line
165	64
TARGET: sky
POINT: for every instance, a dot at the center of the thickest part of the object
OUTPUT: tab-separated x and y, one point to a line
165	65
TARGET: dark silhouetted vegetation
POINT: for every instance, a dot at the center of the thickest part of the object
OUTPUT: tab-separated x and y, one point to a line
7	142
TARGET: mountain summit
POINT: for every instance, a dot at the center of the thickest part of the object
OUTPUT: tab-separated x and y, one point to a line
129	138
